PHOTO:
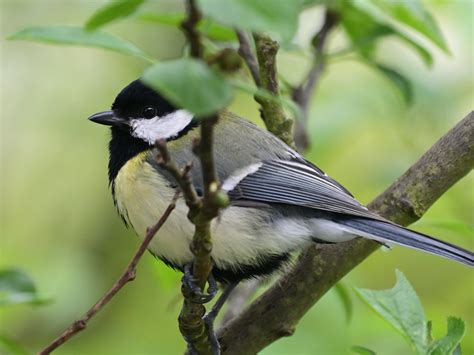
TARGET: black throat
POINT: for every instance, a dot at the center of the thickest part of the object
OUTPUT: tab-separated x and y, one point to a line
122	148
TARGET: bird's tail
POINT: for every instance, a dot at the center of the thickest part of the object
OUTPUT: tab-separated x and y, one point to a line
387	232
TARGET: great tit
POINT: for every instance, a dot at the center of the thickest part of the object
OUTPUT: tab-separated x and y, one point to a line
279	201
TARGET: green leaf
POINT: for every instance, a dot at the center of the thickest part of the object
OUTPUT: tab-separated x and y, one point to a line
420	50
400	82
401	307
172	19
413	14
364	30
79	36
190	84
112	11
206	26
362	350
344	295
216	31
449	343
11	347
17	287
279	18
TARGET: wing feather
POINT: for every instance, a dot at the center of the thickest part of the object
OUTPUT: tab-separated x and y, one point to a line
297	183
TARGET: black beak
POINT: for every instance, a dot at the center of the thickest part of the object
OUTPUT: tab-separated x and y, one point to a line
108	118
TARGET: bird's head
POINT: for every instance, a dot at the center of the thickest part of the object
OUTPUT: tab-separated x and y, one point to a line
145	114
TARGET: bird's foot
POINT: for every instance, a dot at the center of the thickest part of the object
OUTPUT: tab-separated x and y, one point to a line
190	287
215	348
209	323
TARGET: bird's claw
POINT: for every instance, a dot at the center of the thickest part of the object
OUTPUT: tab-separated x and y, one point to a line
193	291
209	322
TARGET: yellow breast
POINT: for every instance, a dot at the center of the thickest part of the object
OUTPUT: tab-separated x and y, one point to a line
142	195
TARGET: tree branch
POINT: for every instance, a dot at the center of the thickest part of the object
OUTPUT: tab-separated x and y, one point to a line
246	52
276	313
202	211
302	93
128	275
272	111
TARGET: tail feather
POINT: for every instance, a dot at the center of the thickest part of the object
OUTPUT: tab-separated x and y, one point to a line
388	232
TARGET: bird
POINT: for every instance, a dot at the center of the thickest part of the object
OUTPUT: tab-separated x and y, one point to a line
280	202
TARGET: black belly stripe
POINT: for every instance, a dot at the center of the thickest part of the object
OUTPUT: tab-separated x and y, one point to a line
267	266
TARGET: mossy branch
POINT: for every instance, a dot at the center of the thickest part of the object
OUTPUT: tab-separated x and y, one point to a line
272	111
202	210
276	313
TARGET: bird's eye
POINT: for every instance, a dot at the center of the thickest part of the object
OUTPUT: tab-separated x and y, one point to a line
149	112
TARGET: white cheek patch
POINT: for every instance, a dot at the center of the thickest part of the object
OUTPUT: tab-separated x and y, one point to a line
165	127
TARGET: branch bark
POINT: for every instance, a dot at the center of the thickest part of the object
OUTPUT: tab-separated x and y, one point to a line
272	111
276	313
127	276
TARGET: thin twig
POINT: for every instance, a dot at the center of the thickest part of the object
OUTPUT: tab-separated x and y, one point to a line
189	27
181	176
128	275
247	54
276	313
302	93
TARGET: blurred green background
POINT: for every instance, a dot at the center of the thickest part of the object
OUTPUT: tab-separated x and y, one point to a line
59	225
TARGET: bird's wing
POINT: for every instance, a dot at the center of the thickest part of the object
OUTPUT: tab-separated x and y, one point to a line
293	182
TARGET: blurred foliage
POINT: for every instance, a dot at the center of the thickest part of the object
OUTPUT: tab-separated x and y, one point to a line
17	287
112	11
57	218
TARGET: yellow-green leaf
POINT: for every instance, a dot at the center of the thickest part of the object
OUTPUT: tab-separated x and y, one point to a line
206	26
413	14
74	35
364	29
401	82
112	11
278	18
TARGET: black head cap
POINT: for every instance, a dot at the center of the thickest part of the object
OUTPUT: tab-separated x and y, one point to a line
136	97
